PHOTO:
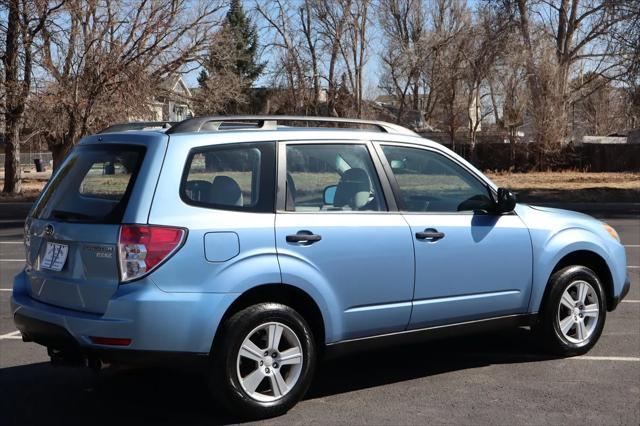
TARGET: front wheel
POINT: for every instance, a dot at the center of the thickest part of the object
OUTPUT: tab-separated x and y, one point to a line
263	361
574	311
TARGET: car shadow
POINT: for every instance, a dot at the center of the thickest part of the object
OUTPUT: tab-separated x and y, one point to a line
41	394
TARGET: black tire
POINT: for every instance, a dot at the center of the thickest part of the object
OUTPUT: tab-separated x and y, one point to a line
549	326
223	379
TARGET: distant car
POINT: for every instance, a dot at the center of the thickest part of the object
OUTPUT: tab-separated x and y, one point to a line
259	248
138	125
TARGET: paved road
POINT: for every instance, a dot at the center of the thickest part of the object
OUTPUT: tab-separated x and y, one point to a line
499	378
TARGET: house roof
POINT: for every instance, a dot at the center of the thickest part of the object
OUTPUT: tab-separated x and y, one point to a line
175	84
385	98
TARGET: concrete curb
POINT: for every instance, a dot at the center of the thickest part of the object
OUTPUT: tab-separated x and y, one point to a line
617	209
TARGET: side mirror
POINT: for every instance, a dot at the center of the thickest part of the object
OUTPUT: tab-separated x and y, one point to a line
329	194
506	200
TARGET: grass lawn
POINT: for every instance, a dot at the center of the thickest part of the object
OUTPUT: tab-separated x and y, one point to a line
571	186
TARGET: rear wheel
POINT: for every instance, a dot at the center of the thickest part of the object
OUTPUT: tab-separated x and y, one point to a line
574	311
263	361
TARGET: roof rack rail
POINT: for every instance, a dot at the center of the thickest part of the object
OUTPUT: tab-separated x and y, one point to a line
137	125
270	122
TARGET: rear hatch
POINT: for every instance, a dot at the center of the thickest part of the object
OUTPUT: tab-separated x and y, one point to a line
72	232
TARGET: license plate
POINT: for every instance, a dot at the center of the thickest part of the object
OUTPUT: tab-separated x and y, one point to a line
55	256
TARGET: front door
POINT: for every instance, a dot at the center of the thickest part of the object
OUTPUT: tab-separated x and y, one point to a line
470	263
335	234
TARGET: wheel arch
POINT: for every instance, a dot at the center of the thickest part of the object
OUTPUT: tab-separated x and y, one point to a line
591	260
289	295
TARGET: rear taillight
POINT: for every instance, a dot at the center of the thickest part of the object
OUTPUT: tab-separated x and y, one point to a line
141	248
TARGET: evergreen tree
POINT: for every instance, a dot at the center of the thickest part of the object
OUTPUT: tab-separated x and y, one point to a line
202	78
246	37
233	53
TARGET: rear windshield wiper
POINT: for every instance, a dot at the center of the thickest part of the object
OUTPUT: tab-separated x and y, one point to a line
62	214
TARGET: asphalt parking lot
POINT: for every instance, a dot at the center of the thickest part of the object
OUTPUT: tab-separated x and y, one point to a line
499	378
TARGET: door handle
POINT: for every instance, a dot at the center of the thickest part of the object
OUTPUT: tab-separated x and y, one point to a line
430	234
303	237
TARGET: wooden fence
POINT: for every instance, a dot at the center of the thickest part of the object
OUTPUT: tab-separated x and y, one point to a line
499	156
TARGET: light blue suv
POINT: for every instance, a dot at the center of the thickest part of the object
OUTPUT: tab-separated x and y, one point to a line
259	247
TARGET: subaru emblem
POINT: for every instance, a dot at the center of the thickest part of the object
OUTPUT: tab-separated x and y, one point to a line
49	230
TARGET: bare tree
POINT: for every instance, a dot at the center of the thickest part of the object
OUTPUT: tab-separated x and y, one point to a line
574	33
452	32
520	61
332	17
224	86
15	102
286	21
316	42
513	85
507	83
626	39
309	31
486	47
353	49
25	21
106	57
406	53
600	108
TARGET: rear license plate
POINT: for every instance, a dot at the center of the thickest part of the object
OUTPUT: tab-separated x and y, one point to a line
55	256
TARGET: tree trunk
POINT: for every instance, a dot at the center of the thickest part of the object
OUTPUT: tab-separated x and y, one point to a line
532	74
12	176
336	44
473	119
416	96
452	131
59	149
452	116
58	152
512	148
15	105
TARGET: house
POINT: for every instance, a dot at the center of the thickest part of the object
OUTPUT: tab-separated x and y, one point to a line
173	101
414	117
387	100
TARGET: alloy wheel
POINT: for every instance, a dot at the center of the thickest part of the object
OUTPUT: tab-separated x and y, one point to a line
269	362
578	312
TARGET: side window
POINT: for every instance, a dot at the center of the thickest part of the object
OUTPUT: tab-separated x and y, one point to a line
332	177
430	182
231	177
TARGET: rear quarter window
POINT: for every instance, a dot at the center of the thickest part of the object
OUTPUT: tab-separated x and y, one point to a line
231	177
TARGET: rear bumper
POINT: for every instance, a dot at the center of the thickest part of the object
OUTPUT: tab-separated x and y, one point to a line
154	320
63	345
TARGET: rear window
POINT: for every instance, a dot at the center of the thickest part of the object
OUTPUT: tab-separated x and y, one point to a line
93	185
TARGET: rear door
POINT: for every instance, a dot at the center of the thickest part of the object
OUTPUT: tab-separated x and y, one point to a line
334	232
72	232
